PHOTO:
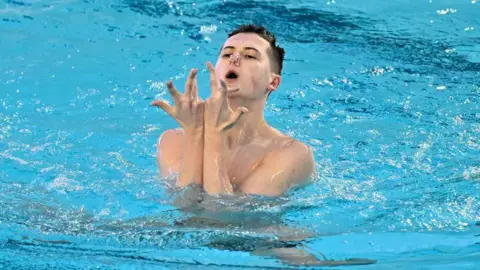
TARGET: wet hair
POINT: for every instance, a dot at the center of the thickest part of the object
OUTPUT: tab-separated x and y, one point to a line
275	52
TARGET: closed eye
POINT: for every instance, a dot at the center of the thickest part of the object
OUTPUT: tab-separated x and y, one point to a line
226	55
250	56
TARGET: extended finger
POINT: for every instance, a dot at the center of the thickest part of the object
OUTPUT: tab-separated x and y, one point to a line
223	87
223	91
213	78
164	106
237	115
173	91
194	93
189	83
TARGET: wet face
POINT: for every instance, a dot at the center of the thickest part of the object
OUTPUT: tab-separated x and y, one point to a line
244	64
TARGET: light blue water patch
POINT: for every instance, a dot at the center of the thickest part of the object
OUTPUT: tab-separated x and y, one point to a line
385	93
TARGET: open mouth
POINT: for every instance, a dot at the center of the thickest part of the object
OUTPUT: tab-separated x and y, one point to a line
231	75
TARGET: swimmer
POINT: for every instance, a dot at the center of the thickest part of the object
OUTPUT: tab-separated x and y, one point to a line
224	143
226	147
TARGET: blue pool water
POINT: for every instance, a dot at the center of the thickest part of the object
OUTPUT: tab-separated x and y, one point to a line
386	93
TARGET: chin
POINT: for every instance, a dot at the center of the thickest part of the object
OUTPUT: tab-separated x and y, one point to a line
233	88
234	94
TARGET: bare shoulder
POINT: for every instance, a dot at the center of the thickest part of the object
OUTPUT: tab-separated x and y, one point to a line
169	149
292	150
170	136
286	164
294	155
170	139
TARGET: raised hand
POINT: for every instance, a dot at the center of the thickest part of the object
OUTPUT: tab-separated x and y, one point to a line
189	108
218	114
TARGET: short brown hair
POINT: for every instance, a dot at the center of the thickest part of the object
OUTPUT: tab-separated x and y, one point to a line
276	53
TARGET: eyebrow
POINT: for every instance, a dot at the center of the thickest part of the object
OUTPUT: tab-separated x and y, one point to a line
246	48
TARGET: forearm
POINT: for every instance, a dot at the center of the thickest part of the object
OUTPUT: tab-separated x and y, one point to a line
215	176
191	169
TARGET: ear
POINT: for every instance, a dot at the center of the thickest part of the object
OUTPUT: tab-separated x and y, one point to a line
274	82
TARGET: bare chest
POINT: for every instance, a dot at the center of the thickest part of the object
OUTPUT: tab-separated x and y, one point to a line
243	162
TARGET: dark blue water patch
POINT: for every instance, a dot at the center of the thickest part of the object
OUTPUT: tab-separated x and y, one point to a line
111	28
304	25
11	20
300	25
296	24
155	9
118	8
408	49
18	3
191	30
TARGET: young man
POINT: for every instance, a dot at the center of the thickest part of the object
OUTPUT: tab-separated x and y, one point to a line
225	145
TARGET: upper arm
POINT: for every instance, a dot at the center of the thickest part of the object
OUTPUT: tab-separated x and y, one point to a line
169	149
292	165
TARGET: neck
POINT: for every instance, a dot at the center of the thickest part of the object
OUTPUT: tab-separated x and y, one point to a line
252	125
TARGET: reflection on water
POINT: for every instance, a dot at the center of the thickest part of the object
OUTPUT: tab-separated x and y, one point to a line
218	223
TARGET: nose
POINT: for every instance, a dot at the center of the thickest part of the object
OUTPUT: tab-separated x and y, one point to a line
235	59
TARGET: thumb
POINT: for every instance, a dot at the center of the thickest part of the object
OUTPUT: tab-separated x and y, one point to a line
164	106
237	115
